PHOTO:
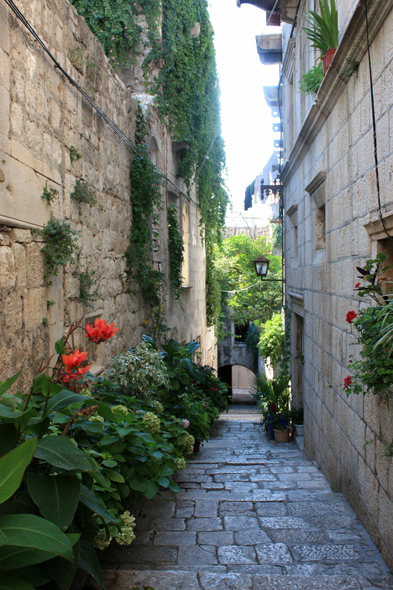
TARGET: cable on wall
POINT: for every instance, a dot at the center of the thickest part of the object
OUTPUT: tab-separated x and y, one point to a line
374	124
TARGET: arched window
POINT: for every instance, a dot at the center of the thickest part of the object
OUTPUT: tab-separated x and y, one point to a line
186	241
154	153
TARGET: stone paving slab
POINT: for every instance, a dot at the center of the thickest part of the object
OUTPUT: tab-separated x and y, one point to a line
252	515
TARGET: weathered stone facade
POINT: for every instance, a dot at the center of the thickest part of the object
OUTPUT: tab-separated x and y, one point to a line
332	226
41	117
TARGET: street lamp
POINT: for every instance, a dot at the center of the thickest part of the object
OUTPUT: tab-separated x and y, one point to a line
261	266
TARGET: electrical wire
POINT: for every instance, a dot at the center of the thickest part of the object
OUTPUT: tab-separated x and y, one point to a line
374	124
238	290
58	66
270	16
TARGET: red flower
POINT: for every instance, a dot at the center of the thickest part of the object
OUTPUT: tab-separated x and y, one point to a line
78	375
213	388
357	285
101	331
347	382
72	368
73	360
273	408
351	315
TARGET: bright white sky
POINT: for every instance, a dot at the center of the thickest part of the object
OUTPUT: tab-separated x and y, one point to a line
246	118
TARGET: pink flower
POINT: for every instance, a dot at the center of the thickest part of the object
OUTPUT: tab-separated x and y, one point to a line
186	423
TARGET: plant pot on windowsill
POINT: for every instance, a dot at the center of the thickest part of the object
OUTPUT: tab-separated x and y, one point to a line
327	60
281	436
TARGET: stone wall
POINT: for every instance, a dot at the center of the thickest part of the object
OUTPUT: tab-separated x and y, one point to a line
331	227
41	117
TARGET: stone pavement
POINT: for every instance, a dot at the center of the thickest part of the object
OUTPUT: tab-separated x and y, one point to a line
253	515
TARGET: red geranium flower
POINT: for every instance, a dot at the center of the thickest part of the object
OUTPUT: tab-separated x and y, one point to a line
273	408
347	382
213	388
351	315
101	331
357	285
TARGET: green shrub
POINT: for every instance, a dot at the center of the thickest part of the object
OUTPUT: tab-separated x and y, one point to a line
310	82
271	344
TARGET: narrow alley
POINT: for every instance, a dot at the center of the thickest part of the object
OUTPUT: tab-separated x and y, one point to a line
253	515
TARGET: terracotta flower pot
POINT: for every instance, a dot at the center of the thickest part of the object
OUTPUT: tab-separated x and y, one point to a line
281	435
197	446
327	60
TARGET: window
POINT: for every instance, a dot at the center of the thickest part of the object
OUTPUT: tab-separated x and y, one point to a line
293	237
316	190
240	333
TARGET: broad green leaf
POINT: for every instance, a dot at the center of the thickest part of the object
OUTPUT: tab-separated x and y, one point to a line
7	438
3	539
173	486
12	467
146	436
149	339
163	481
59	345
15	584
63	571
152	488
39	426
33	573
57	496
90	499
6	412
102	410
137	485
11	401
88	560
191	347
5	385
42	384
12	557
28	530
61	452
114	475
157	455
62	400
108	439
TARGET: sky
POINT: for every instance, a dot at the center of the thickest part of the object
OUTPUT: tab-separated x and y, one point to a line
246	118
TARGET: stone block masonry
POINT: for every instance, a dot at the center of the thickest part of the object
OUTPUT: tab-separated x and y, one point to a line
252	514
42	119
334	137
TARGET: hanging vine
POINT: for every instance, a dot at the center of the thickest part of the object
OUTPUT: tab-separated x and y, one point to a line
187	97
146	200
176	253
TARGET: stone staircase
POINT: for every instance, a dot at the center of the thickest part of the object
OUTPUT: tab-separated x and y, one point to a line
253	515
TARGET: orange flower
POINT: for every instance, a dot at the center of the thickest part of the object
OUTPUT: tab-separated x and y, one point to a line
78	375
73	360
101	331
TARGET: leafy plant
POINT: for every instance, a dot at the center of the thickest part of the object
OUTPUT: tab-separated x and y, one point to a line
74	154
86	283
271	344
49	194
349	70
60	245
272	396
146	202
82	193
324	27
176	252
310	82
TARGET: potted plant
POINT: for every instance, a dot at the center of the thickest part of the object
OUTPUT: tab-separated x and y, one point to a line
281	432
297	416
323	31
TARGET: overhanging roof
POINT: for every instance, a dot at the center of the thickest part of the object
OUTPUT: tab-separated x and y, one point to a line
286	8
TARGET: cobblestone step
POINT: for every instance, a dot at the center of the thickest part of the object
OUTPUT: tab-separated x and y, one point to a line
211	580
252	514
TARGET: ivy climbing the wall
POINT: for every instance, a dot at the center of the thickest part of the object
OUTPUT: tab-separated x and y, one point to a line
187	96
176	252
146	201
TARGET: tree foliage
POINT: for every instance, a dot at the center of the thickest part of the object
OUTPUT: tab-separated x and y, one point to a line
235	269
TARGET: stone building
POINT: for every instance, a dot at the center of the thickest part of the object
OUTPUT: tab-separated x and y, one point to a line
333	224
44	121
